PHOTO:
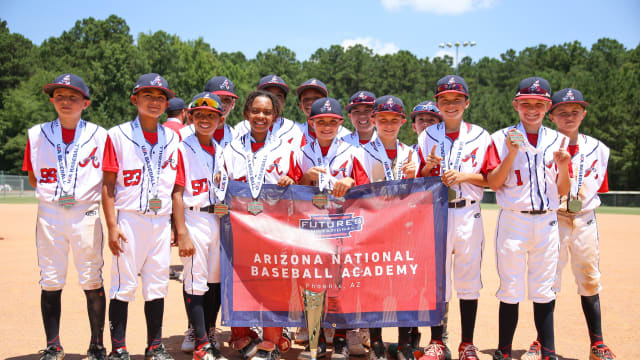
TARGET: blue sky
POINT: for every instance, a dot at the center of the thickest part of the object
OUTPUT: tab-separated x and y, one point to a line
383	25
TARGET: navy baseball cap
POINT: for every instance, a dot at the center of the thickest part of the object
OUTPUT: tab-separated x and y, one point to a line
425	107
451	84
221	85
153	81
360	98
176	104
388	104
312	84
70	81
208	101
567	96
534	88
273	80
326	107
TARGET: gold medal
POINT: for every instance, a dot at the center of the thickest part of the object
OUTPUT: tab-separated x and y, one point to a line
155	204
66	200
452	194
220	210
574	205
320	200
255	207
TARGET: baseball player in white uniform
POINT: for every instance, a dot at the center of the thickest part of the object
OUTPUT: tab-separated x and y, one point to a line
455	150
576	216
196	202
528	166
140	168
63	159
283	128
359	111
308	92
258	158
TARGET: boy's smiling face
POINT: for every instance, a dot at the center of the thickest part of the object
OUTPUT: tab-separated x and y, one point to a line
150	102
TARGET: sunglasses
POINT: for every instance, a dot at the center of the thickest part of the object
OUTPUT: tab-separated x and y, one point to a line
389	107
533	90
452	86
362	99
429	108
206	102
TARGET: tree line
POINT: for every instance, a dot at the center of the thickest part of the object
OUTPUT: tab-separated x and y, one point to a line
104	53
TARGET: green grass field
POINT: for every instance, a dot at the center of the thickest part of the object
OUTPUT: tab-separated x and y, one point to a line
601	209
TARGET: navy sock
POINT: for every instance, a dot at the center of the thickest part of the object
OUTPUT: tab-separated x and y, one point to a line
50	304
196	314
436	332
404	335
211	305
153	313
508	320
118	313
96	308
591	309
543	317
468	310
340	333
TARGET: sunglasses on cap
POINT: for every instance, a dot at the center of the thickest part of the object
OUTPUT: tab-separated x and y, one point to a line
452	86
205	102
533	90
429	108
389	107
362	99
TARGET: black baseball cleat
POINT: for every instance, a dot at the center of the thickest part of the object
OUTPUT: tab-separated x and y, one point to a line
157	353
96	352
52	353
119	354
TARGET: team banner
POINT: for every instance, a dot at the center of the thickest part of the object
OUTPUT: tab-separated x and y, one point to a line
378	253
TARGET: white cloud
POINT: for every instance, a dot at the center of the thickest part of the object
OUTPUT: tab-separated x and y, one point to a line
376	45
439	7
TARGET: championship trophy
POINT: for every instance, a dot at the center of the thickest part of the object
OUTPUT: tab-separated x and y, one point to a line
313	311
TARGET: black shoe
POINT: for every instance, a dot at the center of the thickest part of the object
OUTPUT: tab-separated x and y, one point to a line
119	354
322	352
377	351
415	340
447	353
499	356
157	353
406	352
96	352
340	349
52	353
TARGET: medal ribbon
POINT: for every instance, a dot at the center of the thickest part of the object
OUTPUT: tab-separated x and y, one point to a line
325	181
460	142
67	171
387	164
578	185
147	154
255	179
212	163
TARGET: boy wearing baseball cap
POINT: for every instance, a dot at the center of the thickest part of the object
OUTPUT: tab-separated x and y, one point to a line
282	127
62	158
359	111
424	115
196	202
387	159
140	167
454	150
308	92
528	167
576	215
176	114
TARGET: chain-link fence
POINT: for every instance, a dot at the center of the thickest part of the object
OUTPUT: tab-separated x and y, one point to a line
611	198
15	186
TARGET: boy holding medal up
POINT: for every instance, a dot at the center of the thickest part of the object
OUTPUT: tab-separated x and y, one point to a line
140	169
196	201
63	158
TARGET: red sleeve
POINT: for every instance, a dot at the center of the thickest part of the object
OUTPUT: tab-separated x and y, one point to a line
358	174
109	159
422	162
491	159
304	141
26	162
295	172
605	183
180	172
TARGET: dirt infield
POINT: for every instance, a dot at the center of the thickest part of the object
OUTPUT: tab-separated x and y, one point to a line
22	334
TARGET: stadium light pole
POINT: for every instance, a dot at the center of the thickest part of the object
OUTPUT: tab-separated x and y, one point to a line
457	45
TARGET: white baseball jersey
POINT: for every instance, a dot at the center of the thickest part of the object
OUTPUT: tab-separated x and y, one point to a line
374	157
339	160
87	182
308	138
354	139
283	128
465	154
133	184
589	167
229	134
279	161
531	183
200	168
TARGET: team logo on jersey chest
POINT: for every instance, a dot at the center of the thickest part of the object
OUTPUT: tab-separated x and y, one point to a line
592	169
171	162
341	169
275	166
91	158
471	156
332	226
